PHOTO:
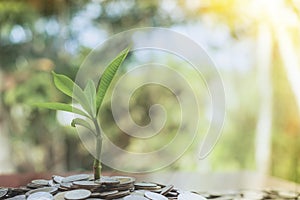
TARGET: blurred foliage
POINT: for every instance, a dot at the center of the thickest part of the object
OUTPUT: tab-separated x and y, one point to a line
286	128
37	36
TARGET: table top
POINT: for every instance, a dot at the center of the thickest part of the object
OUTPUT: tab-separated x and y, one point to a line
184	180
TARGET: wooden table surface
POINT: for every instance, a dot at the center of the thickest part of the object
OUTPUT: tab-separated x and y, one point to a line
183	180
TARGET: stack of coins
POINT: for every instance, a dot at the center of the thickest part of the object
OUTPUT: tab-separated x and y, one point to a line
82	186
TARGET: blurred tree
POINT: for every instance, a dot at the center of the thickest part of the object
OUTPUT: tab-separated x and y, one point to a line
260	19
39	36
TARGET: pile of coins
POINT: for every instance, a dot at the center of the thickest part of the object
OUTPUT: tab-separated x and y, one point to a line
251	194
82	186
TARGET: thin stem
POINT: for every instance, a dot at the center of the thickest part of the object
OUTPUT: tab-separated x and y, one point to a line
95	121
97	169
97	161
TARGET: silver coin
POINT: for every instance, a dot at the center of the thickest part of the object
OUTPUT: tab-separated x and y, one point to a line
60	196
104	194
19	197
51	183
134	197
34	186
78	177
118	195
77	194
107	180
17	191
40	196
120	187
86	184
172	194
57	179
288	194
3	192
155	196
144	184
66	185
94	199
166	189
190	196
253	194
139	192
50	190
148	186
40	182
124	180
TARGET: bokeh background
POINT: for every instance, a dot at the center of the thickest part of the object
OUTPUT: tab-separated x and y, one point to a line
254	43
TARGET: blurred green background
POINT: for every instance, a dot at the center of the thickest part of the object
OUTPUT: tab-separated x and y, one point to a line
255	45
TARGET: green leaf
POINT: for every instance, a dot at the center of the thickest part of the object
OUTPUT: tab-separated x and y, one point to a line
61	106
81	98
90	93
68	87
108	76
82	122
63	83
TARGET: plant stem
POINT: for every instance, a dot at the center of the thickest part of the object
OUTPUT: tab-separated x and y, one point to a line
97	161
97	169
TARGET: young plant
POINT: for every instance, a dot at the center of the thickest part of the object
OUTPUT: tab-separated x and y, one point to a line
90	98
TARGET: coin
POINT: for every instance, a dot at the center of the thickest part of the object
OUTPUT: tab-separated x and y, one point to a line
124	180
50	190
66	185
144	185
17	191
126	183
147	186
57	179
118	195
139	192
78	177
3	192
94	199
119	188
77	194
51	183
104	194
18	197
190	196
288	194
40	196
166	189
134	197
86	184
33	186
253	194
155	196
172	194
60	196
108	180
40	182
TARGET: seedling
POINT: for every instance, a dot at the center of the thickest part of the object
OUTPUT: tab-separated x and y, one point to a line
90	99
